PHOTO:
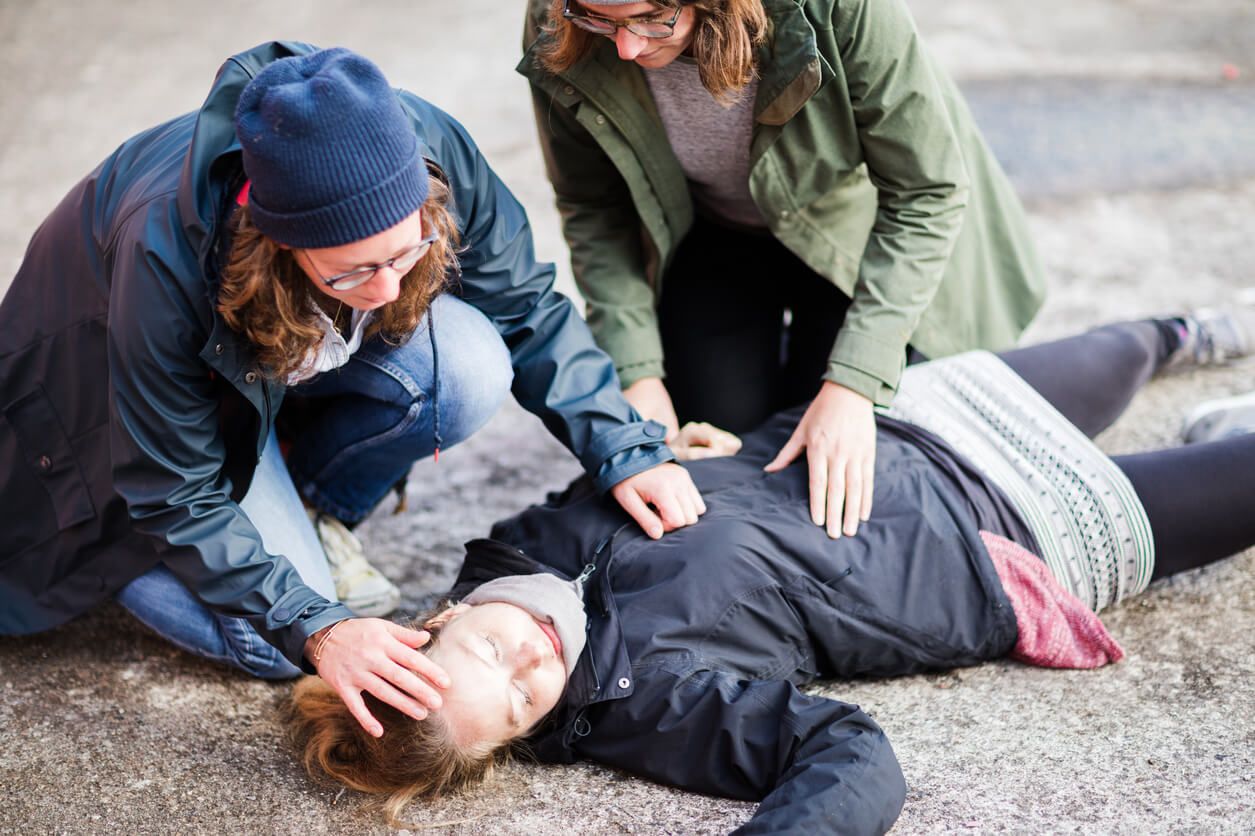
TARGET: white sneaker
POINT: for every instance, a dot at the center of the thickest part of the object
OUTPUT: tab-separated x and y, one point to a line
1219	419
359	586
1216	336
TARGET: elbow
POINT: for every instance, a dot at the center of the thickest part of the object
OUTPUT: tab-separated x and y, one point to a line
883	806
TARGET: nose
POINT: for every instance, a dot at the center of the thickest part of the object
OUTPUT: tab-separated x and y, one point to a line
388	283
629	45
529	655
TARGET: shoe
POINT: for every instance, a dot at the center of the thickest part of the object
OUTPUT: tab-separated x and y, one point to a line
1219	419
1214	336
359	586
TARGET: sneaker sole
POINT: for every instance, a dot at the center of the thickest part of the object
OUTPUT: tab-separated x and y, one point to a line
1203	420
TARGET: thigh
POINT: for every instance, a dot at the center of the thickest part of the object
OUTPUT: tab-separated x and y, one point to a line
720	318
455	362
279	516
817	311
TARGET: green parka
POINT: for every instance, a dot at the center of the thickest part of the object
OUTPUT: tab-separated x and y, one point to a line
865	162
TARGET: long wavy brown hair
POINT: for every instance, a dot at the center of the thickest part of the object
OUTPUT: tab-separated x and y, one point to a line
413	759
728	32
266	297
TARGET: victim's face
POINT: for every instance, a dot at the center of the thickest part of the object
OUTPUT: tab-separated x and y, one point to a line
506	672
650	53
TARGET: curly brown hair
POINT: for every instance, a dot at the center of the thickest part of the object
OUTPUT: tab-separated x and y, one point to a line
727	34
266	297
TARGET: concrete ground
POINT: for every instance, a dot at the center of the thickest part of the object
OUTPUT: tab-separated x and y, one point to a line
1137	157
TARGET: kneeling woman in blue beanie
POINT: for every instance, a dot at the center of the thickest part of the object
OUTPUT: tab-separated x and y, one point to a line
310	250
1000	529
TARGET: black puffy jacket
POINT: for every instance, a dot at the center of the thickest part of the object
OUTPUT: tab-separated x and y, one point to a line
698	641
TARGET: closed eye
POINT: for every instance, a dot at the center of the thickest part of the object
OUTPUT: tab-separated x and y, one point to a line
492	643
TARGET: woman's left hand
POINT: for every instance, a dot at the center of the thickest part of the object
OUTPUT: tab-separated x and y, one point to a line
669	489
838	433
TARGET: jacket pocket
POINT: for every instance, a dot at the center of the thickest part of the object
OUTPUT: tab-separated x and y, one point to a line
44	475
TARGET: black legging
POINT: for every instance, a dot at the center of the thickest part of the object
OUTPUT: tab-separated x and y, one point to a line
1200	498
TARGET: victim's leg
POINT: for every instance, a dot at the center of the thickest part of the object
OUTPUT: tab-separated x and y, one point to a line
1200	500
1092	377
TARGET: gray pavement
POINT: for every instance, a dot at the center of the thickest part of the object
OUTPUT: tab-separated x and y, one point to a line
1138	160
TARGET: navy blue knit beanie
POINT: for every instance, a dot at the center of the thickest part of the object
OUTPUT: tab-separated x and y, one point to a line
330	156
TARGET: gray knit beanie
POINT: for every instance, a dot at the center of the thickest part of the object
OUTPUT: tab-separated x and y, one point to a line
330	156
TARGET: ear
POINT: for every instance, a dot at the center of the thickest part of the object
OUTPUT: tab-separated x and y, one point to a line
446	615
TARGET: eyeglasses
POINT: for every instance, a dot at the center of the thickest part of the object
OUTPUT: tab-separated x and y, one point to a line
646	26
359	276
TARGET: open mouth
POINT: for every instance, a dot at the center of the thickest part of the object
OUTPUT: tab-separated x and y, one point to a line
552	635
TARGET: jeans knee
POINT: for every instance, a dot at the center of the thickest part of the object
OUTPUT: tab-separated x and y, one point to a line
475	372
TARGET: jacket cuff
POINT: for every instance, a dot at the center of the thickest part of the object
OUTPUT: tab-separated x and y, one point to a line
626	451
867	365
631	339
639	371
299	614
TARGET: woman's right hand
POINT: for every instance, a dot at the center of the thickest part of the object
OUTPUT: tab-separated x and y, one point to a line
650	398
380	658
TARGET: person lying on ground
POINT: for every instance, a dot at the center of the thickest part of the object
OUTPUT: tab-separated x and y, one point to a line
1000	530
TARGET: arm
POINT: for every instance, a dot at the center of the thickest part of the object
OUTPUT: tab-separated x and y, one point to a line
168	457
560	375
914	161
816	765
606	240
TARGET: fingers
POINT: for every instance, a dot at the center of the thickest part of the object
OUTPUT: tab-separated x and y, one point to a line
407	635
357	707
672	511
638	510
869	477
705	440
853	500
795	445
384	691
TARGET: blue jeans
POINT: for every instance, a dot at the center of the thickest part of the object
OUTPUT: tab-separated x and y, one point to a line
168	608
373	418
367	422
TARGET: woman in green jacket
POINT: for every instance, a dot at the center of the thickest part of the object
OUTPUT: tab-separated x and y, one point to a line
767	202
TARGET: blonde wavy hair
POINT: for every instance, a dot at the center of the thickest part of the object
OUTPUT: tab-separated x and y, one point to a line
266	297
413	759
727	34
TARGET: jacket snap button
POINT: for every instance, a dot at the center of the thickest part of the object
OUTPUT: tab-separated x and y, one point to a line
568	90
45	463
219	348
653	430
600	120
281	615
251	377
624	682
